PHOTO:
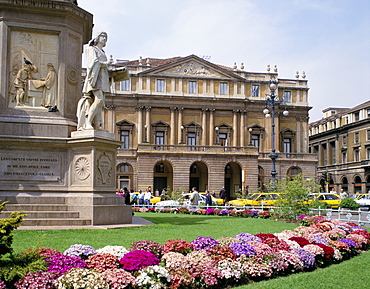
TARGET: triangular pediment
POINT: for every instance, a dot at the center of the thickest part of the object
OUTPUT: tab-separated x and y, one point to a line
125	122
160	124
192	67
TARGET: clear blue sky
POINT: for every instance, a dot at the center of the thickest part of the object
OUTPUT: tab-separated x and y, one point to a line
328	39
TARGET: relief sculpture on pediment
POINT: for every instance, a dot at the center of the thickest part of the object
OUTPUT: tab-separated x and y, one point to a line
193	68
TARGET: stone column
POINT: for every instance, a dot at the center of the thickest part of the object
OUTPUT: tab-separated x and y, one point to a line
148	122
242	128
172	135
140	125
111	118
204	127
235	127
211	127
298	134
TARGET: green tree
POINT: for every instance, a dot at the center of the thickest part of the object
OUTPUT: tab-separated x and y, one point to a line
294	199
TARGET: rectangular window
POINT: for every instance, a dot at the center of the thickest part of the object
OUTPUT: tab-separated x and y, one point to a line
356	156
368	113
125	85
287	145
368	135
324	154
368	154
125	138
192	86
344	157
159	139
357	137
287	96
255	140
333	153
192	141
344	140
223	139
160	85
255	90
223	88
357	116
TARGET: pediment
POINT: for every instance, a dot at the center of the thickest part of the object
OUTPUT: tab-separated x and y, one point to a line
192	67
191	124
125	122
160	124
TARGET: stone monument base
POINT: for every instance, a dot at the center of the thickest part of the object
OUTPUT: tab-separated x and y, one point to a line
62	181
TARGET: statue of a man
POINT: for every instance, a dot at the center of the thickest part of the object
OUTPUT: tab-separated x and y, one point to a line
96	85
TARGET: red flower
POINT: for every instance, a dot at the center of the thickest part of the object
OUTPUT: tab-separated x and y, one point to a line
329	251
300	240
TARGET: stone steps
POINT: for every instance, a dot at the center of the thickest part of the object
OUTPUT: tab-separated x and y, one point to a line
44	211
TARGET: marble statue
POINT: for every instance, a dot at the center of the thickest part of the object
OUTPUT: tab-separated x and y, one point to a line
20	84
49	85
89	110
97	84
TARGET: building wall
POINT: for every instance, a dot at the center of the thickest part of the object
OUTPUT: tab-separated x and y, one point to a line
342	141
221	105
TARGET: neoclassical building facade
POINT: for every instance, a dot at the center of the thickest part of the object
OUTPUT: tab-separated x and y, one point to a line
342	141
185	122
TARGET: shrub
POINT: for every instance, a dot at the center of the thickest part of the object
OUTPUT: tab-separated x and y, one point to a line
7	225
349	203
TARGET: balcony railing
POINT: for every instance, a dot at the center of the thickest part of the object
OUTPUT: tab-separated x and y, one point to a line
289	156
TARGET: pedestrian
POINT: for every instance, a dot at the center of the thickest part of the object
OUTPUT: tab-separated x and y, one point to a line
223	195
141	198
133	197
208	199
147	197
343	194
127	196
194	198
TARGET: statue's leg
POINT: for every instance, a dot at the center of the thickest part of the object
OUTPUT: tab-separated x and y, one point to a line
95	108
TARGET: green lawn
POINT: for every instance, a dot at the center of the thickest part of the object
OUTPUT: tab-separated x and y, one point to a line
349	274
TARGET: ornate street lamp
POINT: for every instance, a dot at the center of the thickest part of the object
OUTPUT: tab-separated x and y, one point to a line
182	134
271	100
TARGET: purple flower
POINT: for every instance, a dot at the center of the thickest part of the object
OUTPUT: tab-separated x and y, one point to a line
78	250
306	257
59	263
253	213
240	248
349	242
39	279
319	240
358	228
204	243
301	217
224	212
210	211
137	260
246	237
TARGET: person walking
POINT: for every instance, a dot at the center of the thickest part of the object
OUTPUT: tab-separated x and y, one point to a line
223	195
147	197
208	199
194	198
126	196
141	198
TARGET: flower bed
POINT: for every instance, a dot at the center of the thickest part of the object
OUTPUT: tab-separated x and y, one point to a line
203	262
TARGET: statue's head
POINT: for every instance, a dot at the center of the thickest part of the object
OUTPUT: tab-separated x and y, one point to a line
101	37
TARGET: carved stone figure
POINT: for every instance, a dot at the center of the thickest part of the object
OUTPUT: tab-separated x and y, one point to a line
96	85
49	85
20	84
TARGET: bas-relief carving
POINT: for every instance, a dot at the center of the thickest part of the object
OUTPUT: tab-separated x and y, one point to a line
32	78
105	169
193	68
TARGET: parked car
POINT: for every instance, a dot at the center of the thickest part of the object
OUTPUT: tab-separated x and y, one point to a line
215	201
331	199
184	200
153	199
363	200
257	199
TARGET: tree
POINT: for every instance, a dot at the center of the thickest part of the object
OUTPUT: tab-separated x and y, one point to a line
294	198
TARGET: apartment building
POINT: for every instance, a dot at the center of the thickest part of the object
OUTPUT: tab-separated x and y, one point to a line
342	141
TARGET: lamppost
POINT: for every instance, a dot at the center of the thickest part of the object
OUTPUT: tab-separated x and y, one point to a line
146	134
250	135
271	100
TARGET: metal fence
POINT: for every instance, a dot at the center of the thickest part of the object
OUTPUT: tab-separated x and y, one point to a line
360	216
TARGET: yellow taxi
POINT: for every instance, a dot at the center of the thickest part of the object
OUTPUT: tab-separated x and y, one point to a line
257	199
331	199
